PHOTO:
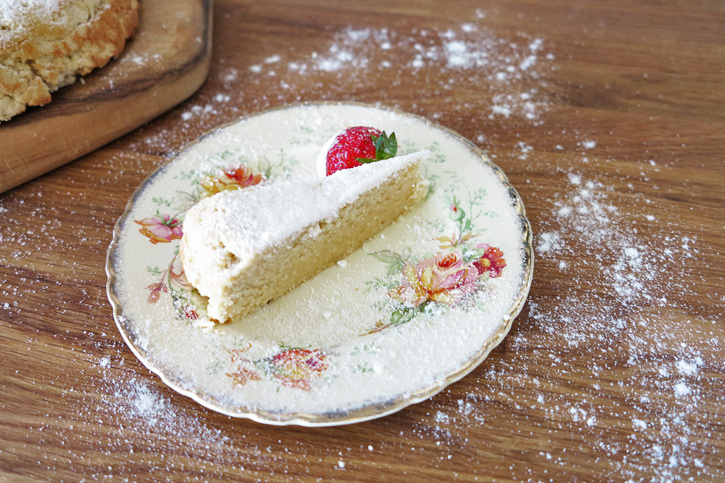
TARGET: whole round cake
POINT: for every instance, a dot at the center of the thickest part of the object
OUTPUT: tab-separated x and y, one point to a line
46	44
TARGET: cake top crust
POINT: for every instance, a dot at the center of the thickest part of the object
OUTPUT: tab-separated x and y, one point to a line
22	20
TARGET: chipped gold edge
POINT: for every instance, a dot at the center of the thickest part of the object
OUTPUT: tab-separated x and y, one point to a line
341	417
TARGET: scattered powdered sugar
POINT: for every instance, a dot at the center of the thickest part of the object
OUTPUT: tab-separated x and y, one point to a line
570	306
612	321
469	56
548	242
506	73
636	276
634	270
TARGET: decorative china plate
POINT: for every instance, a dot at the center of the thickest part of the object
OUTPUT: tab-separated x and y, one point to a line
418	307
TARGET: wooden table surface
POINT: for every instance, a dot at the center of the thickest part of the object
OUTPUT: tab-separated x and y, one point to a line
609	119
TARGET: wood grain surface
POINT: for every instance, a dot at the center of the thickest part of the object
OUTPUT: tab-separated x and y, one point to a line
165	62
609	119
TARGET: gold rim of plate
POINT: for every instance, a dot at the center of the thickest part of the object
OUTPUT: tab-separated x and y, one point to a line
342	417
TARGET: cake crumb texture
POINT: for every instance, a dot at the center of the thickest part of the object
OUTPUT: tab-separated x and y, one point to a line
45	45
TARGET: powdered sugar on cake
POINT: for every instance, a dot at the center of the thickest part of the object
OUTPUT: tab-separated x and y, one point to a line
245	248
271	213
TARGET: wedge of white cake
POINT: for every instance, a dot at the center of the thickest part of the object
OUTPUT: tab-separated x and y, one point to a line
243	248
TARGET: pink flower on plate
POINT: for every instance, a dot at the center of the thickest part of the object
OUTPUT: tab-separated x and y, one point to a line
492	260
160	228
443	278
297	367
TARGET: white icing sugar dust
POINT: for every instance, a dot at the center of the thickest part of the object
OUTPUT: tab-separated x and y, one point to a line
505	72
569	307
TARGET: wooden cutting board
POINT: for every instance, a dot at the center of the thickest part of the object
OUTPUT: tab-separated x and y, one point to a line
165	63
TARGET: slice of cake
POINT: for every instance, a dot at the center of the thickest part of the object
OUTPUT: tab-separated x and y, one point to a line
244	248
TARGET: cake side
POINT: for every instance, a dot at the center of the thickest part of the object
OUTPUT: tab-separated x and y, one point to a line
231	259
46	45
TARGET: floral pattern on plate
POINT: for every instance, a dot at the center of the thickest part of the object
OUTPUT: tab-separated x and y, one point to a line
450	276
291	367
418	307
